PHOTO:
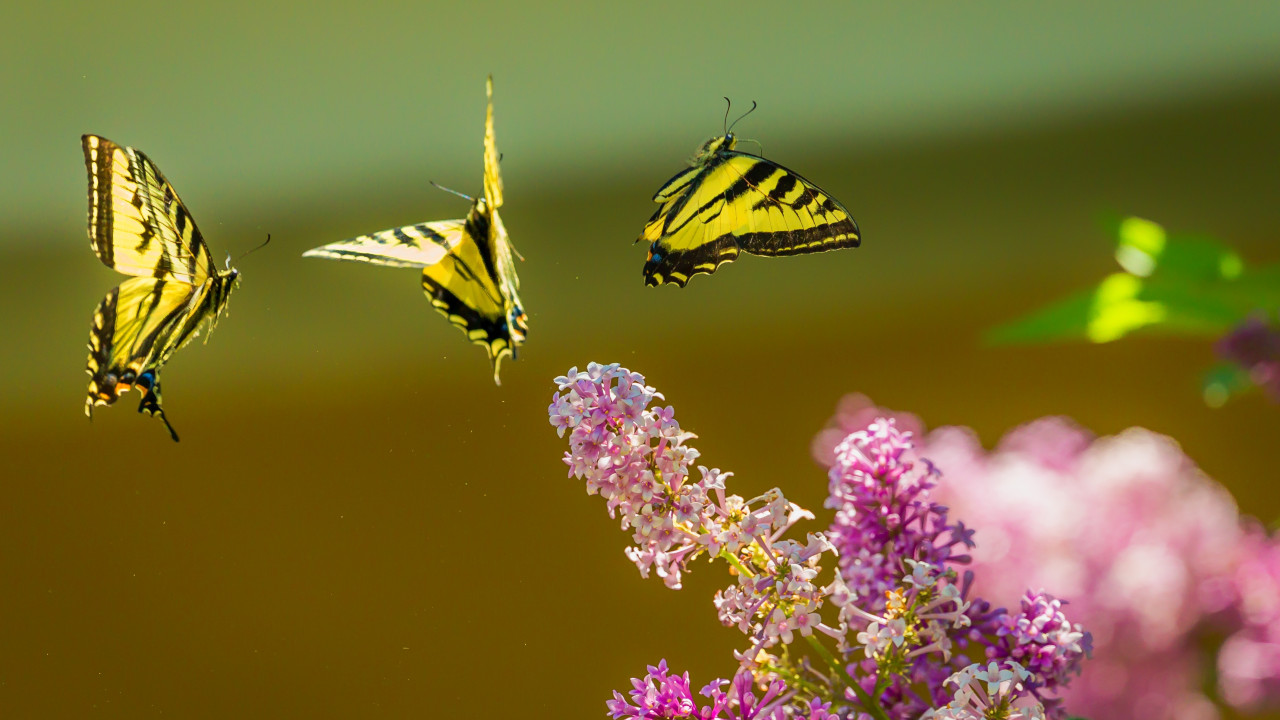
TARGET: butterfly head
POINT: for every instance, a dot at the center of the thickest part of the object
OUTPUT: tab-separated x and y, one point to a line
713	147
723	143
231	274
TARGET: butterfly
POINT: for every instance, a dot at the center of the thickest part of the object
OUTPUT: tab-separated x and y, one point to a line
138	226
468	272
729	202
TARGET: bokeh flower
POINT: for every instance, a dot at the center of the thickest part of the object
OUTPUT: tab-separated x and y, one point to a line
1151	555
1254	346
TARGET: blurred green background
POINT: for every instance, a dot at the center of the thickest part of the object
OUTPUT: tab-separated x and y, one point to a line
357	523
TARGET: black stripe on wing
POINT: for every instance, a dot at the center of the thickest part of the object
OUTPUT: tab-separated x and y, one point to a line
678	266
491	332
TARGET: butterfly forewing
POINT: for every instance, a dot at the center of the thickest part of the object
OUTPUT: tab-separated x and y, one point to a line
137	223
418	245
492	178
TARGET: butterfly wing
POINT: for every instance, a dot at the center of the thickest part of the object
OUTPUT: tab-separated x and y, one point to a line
136	327
420	245
736	202
137	223
468	289
468	272
492	179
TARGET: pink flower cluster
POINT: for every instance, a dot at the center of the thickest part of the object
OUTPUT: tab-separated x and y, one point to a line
777	595
637	459
884	512
661	695
887	520
1152	555
994	690
1249	661
901	606
1042	639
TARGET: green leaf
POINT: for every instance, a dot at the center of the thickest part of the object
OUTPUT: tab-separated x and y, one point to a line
1122	304
1143	248
1259	288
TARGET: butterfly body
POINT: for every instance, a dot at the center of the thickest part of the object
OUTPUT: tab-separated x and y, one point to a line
728	202
138	226
468	267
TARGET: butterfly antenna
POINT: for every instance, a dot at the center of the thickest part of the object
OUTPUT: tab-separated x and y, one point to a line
735	122
464	196
250	252
727	104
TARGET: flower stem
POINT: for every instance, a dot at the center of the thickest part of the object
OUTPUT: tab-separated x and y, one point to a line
868	703
737	564
796	680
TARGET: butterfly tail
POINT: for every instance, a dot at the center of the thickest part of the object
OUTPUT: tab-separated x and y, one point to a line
150	386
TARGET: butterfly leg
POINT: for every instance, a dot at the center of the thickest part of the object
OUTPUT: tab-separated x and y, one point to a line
149	384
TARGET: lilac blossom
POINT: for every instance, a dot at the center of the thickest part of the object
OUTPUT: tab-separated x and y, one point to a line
661	695
636	458
886	521
884	512
992	692
1153	556
899	612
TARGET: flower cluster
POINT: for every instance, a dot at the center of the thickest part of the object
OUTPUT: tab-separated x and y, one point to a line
908	642
776	596
1249	662
886	520
996	690
903	614
1041	639
637	459
883	512
661	695
1153	556
1254	346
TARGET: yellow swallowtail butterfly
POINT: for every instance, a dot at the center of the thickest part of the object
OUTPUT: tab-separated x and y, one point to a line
467	268
729	202
138	226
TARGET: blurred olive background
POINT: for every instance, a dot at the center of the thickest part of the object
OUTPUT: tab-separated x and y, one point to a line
357	523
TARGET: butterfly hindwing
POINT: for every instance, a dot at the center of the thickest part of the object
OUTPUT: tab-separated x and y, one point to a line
135	329
731	202
137	223
468	289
